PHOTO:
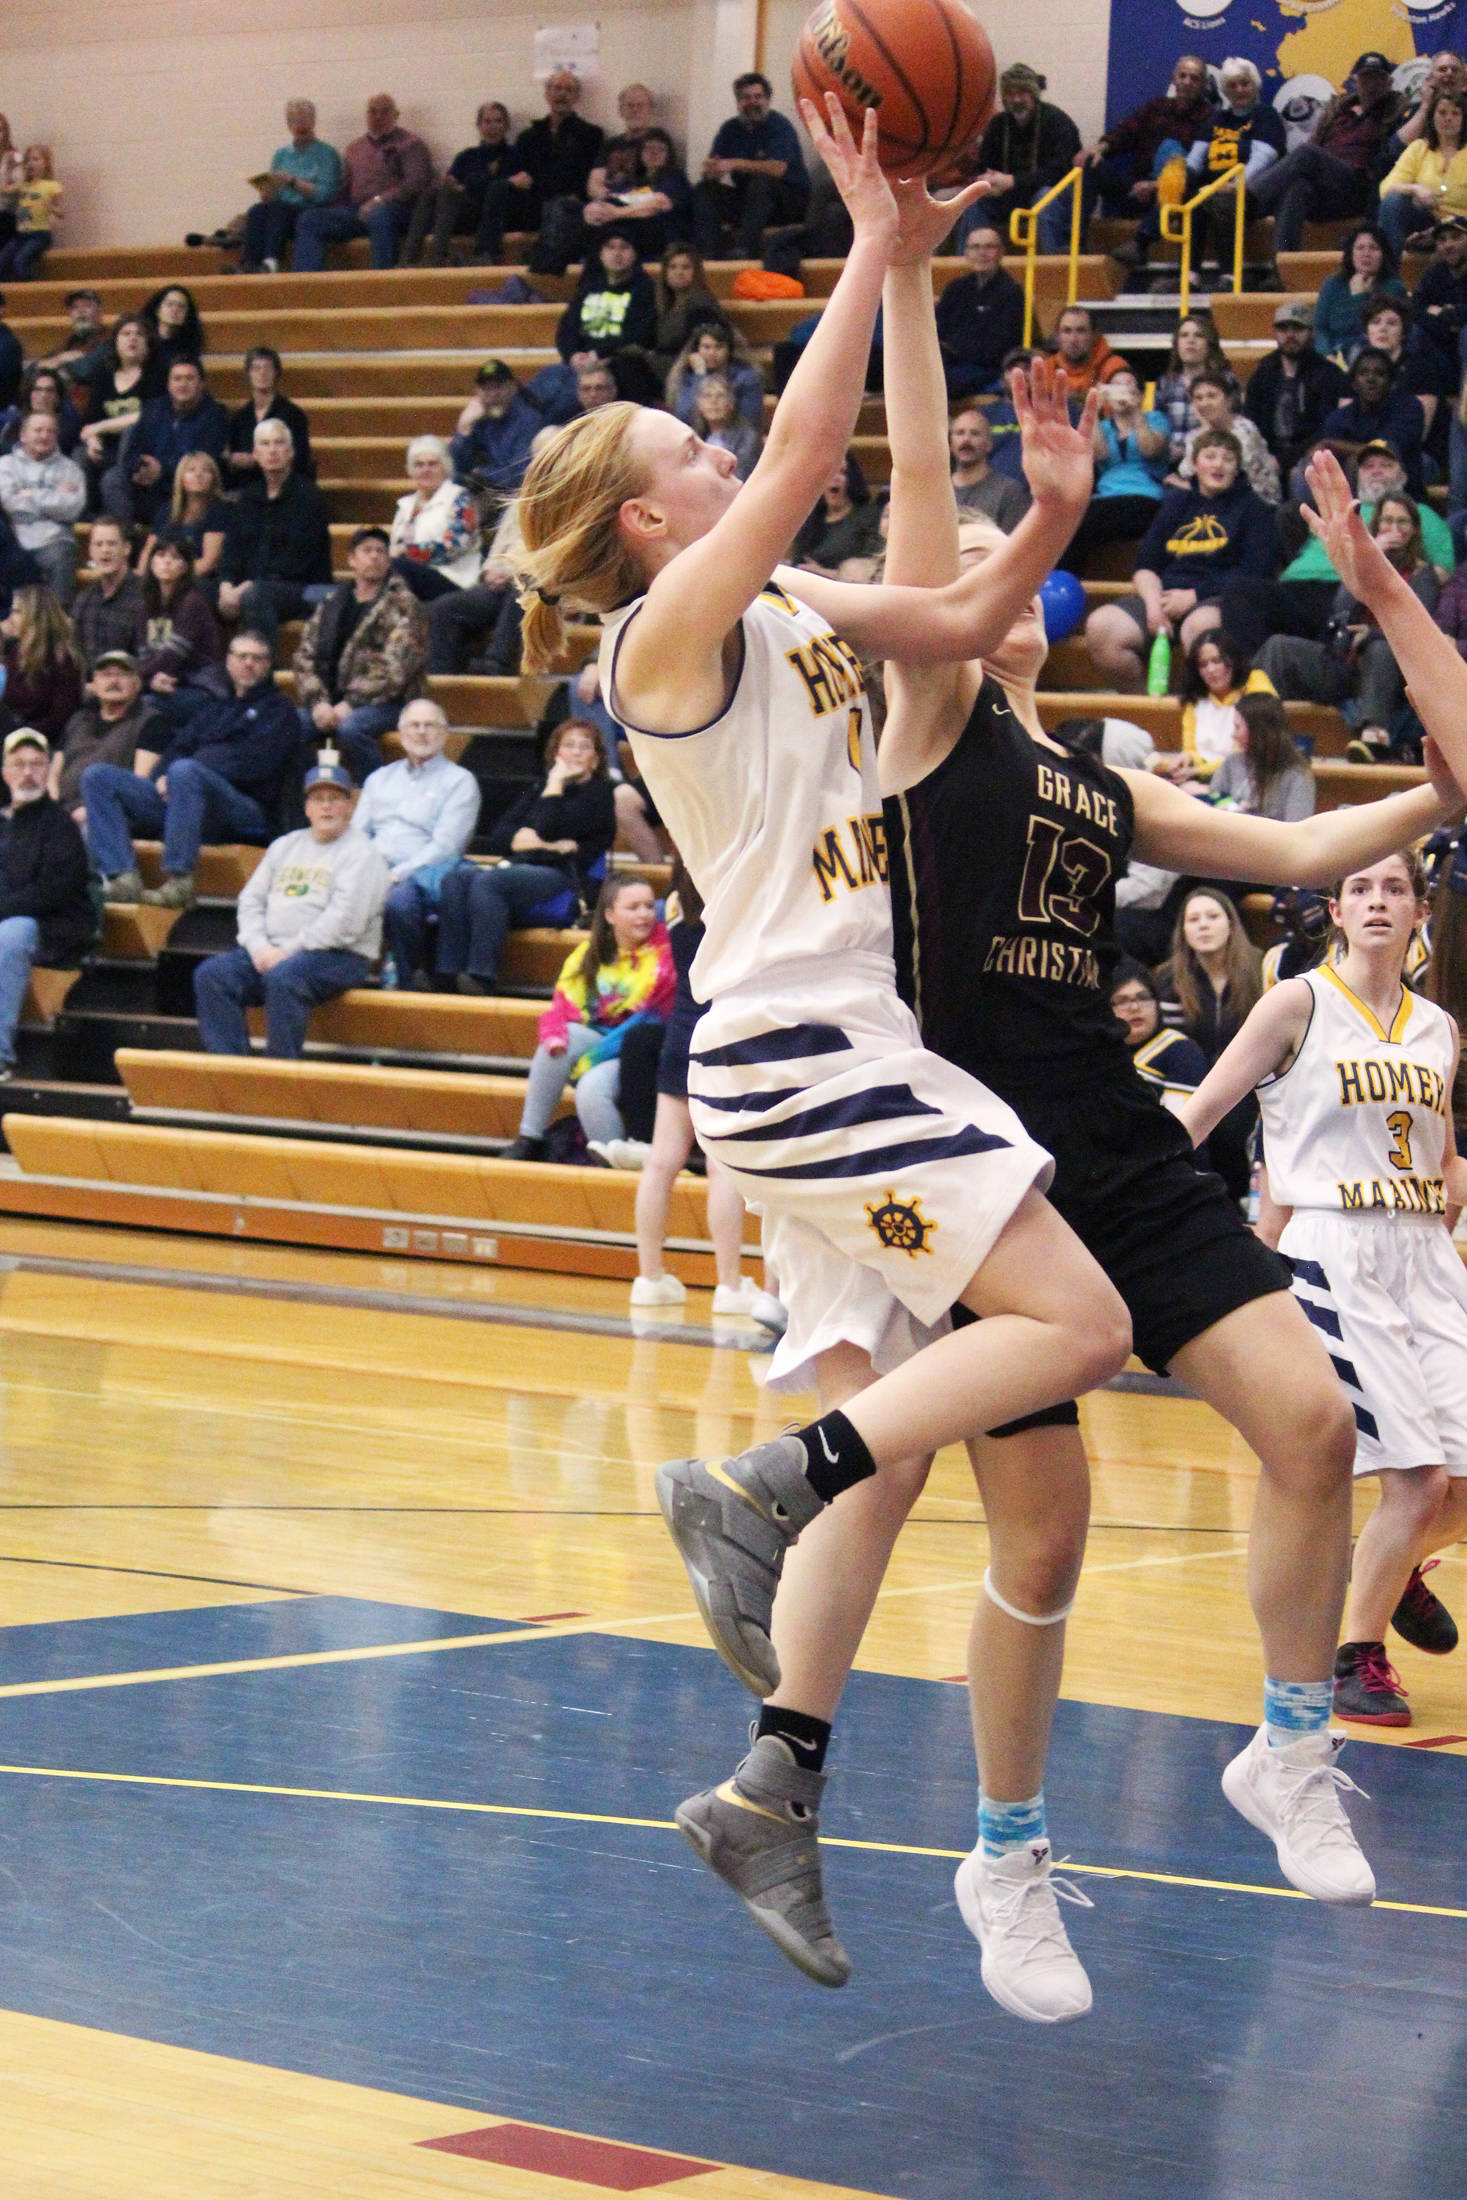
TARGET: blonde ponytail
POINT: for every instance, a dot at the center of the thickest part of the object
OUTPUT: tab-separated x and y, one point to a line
573	556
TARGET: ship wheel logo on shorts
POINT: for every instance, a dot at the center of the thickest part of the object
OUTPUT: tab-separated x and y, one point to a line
900	1227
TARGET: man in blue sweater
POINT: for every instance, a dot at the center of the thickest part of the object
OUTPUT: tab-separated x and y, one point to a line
491	444
167	429
220	779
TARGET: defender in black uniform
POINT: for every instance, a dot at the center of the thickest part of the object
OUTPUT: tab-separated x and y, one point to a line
1004	866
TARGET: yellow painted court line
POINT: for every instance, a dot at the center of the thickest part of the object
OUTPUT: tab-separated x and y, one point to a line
651	1825
72	1683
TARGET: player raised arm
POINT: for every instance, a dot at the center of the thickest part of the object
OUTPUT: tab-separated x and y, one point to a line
1267	1042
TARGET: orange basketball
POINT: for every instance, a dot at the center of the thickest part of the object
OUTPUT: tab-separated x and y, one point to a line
925	65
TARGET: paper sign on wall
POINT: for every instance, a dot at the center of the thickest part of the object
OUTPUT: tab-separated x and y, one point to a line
574	46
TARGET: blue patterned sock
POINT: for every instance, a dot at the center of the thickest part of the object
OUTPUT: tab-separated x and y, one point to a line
1295	1708
1003	1827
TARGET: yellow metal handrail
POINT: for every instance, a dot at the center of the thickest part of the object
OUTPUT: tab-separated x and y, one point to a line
1183	236
1024	232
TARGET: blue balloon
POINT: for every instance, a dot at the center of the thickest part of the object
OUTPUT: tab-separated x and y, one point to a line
1063	598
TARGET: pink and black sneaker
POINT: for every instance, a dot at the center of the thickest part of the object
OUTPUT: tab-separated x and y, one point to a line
1421	1618
1368	1689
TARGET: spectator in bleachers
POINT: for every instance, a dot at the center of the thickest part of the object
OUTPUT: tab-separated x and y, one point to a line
1084	353
1131	448
175	326
554	842
310	927
81	351
1196	349
486	611
1003	421
1264	773
1167	1060
612	312
1026	148
126	376
549	176
980	317
18	569
683	302
1440	298
657	201
1215	678
1430	177
717	419
187	419
1333	177
221	779
1354	664
112	724
43	494
1213	406
384	172
38	213
595	386
304	172
624	972
454	207
266	401
1447	72
419	814
46	912
43	390
198	509
716	348
361	655
1367	268
41	667
1451	609
1213	979
753	178
109	613
1123	165
278	545
1245	131
978	486
12	362
491	441
1293	388
182	654
636	110
842	536
435	530
1379	410
1199	539
1388	329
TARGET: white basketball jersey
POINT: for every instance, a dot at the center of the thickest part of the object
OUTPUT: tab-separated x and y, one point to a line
1357	1123
774	804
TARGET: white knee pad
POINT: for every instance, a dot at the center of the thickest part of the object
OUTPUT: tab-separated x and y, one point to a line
1027	1619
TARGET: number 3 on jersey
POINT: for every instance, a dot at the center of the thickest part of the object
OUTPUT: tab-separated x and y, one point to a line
1084	868
1399	1126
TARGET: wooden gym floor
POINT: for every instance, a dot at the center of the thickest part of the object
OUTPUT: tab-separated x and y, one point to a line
348	1682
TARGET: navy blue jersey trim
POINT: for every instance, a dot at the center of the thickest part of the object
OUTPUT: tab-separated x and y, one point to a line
790	1044
1345	1369
753	1102
1323	1317
1307	1271
707	727
888	1161
879	1104
1366	1423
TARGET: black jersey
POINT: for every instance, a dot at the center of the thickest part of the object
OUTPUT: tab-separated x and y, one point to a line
1004	862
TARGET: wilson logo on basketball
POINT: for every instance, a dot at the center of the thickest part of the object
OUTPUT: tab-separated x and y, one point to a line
832	41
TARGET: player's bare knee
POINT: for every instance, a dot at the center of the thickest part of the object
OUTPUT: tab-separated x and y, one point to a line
1415	1498
1103	1336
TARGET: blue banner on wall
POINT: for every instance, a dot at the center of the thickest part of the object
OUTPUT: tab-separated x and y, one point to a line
1304	49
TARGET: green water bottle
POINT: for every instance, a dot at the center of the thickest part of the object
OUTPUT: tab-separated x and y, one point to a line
1159	665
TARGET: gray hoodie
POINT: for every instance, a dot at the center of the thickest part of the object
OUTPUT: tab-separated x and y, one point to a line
310	893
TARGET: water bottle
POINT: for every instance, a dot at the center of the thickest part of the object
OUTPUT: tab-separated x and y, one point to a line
1159	665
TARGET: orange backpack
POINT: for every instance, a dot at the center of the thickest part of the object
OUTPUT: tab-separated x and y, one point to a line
760	283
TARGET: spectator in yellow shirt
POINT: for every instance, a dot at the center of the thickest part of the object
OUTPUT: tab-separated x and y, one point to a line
37	202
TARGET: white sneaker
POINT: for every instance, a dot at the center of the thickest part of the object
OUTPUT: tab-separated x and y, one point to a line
1293	1795
736	1298
1012	1912
658	1291
270	264
769	1314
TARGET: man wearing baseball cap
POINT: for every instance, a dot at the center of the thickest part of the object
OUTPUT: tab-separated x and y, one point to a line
1027	147
310	925
116	724
491	443
1332	178
1293	388
46	912
1439	301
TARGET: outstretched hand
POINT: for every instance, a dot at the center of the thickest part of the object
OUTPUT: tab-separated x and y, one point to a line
1059	457
854	169
923	221
1444	786
1348	544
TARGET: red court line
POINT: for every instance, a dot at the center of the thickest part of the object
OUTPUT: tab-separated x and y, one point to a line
600	2162
1436	1741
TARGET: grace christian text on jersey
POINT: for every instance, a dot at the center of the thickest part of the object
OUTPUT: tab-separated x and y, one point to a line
1065	872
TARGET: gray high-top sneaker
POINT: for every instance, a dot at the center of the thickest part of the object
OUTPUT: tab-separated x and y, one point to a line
733	1520
760	1831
